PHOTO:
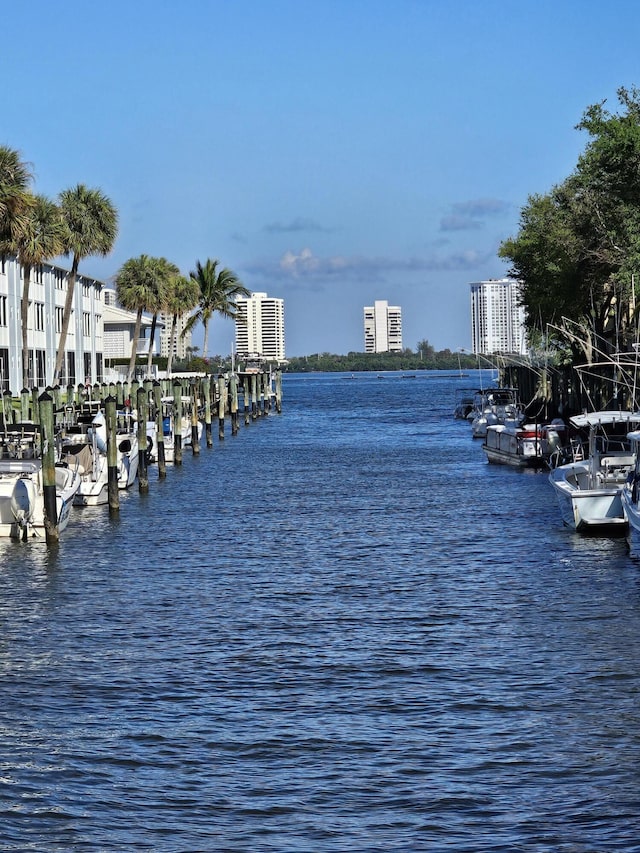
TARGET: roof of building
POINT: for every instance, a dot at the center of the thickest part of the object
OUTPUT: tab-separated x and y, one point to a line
111	315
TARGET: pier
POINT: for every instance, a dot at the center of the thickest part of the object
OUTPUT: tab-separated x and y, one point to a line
104	437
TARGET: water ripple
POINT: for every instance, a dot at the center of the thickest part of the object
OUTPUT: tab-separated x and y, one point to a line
341	630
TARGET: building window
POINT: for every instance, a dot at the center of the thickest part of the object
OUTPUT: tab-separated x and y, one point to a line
3	310
4	370
39	316
41	367
59	316
86	324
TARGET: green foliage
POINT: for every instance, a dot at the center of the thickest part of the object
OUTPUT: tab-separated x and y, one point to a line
578	246
380	362
219	290
15	196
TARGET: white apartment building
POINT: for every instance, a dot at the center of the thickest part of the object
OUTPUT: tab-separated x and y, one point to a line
84	344
119	326
260	326
382	327
181	343
497	318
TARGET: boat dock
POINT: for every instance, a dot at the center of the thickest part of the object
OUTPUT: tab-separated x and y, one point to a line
148	422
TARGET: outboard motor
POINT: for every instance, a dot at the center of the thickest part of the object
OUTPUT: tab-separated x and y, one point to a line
23	503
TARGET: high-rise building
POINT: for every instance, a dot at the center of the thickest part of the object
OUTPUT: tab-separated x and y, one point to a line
497	318
181	343
260	326
382	327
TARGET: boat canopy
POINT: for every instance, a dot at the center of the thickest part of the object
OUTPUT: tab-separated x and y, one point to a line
591	419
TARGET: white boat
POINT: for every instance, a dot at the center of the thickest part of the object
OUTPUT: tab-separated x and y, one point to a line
22	513
496	406
589	490
88	450
464	405
527	446
631	490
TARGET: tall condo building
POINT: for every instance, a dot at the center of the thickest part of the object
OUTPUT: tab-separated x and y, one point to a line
181	343
260	326
497	318
382	327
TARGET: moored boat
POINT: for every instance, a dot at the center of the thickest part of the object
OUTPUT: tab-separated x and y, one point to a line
589	490
495	406
22	504
88	450
630	493
527	446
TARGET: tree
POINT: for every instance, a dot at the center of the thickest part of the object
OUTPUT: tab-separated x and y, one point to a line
40	238
425	350
15	196
139	284
182	296
91	223
219	291
578	247
165	273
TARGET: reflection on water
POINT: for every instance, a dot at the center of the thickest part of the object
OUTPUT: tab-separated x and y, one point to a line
341	630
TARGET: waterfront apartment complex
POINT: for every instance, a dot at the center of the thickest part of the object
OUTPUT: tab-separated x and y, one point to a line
83	360
260	326
382	327
497	318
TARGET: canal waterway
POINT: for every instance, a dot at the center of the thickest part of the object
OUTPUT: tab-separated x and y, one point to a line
341	630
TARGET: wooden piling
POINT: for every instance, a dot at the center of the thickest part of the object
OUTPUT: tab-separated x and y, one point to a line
111	418
7	407
195	441
25	399
206	396
161	460
246	399
279	391
142	405
177	422
221	403
233	403
35	407
254	396
56	392
52	532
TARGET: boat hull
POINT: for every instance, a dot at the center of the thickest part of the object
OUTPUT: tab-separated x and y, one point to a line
522	447
584	509
22	513
517	460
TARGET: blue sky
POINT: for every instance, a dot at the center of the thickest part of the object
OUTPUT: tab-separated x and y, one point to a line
331	153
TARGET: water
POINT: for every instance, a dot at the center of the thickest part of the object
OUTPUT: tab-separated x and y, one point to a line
341	630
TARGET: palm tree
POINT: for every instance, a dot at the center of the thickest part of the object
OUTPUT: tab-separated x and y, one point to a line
219	291
40	238
165	273
140	286
15	196
91	222
182	296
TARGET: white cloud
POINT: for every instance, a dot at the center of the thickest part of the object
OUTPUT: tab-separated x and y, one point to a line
300	223
305	266
470	215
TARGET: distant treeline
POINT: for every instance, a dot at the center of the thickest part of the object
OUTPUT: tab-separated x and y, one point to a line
406	360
